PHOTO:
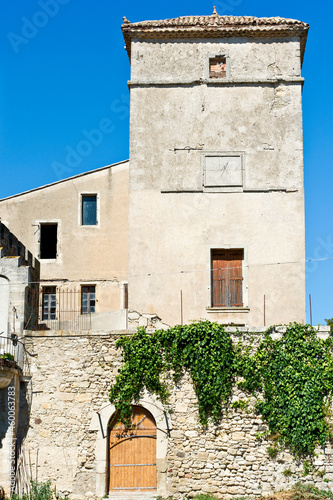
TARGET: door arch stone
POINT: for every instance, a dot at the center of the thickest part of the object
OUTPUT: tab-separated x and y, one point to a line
100	423
132	456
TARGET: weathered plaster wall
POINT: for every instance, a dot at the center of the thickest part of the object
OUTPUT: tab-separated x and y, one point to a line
70	383
153	60
256	113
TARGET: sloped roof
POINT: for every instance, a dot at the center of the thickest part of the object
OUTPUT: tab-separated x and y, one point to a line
215	26
96	170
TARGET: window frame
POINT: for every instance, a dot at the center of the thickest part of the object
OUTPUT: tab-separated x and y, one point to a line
80	210
219	75
57	252
245	281
88	311
46	292
228	67
227	278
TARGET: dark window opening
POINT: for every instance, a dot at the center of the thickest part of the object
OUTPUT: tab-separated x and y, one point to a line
49	303
218	67
88	299
89	210
48	241
227	277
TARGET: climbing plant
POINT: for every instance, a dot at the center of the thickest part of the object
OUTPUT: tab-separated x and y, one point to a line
204	349
290	377
144	363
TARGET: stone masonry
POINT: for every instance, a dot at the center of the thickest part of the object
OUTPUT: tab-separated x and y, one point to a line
71	378
19	271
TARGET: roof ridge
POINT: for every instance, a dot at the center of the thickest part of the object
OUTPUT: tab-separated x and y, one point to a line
64	180
216	18
213	26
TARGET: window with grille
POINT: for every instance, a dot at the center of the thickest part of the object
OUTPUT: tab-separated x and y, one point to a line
89	210
49	306
88	293
227	277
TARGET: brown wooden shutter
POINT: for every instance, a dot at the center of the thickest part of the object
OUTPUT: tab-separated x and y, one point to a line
227	278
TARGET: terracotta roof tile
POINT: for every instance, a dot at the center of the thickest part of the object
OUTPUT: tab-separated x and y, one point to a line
216	20
215	26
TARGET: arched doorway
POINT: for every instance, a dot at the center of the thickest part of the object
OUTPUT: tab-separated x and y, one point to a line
132	453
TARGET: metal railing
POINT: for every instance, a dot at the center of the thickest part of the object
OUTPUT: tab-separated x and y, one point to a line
7	346
56	309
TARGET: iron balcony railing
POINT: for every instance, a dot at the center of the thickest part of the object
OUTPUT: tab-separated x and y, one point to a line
56	309
15	348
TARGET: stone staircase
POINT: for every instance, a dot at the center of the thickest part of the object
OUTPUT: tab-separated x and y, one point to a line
132	496
137	496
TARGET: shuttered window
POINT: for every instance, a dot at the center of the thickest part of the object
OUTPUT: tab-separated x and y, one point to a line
227	277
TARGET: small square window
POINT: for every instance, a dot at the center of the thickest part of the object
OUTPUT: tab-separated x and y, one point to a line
89	210
49	303
218	67
88	293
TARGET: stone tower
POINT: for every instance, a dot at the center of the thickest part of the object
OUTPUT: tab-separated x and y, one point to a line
216	220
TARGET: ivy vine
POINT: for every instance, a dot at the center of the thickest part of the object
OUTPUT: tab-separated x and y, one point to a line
291	377
204	349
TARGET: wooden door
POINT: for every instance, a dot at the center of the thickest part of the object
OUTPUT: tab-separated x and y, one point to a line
133	453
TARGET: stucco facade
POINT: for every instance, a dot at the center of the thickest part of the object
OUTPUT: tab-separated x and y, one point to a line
85	255
181	207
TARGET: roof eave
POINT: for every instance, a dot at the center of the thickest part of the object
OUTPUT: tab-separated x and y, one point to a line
131	32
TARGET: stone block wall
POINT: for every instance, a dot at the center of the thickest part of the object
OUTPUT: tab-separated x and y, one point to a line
12	247
71	378
19	275
228	459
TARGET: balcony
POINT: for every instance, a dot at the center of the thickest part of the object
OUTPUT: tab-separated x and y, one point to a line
11	360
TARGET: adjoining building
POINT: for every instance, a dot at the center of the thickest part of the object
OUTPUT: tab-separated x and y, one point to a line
78	230
19	279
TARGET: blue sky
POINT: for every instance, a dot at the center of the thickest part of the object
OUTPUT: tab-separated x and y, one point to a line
63	80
